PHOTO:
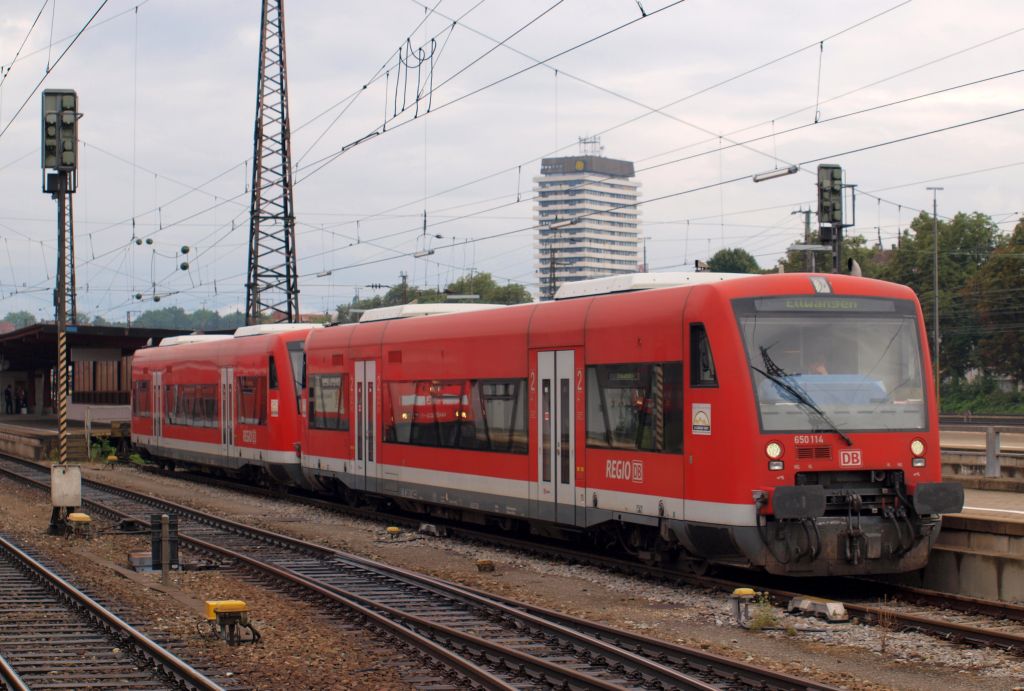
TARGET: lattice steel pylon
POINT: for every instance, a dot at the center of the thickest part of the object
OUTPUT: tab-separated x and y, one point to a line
272	290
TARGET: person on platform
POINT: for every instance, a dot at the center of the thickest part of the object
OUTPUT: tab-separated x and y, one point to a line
8	400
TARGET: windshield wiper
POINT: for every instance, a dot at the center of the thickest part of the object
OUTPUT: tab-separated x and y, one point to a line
776	374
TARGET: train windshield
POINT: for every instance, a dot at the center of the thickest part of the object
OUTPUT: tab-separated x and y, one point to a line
829	363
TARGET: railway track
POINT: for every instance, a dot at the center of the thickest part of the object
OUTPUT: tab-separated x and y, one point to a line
902	612
486	641
54	636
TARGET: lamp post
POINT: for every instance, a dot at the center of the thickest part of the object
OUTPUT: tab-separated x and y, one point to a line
935	287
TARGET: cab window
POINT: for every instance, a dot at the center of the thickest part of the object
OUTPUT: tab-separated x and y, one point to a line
702	363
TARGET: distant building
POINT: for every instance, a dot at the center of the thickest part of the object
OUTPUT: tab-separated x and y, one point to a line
587	218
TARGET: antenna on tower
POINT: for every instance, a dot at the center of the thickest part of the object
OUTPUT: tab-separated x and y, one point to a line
272	291
591	146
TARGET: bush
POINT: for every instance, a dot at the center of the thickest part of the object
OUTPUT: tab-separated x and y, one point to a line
983	395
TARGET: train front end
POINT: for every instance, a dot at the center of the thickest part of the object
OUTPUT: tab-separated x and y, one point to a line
846	462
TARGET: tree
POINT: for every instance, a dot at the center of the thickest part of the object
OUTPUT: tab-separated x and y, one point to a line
854	247
20	319
734	260
199	320
965	243
481	284
993	295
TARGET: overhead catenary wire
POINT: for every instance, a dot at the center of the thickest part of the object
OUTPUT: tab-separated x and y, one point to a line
5	72
702	91
321	163
713	185
474	241
179	225
49	68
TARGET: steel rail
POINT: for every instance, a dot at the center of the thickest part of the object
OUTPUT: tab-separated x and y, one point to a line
869	614
606	654
960	603
542	669
170	663
472	672
10	677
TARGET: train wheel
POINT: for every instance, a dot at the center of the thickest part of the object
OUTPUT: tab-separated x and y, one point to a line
351	497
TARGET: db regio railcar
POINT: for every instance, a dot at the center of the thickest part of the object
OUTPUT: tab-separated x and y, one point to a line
785	422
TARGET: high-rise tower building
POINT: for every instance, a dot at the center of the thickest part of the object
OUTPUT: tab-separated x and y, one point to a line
587	218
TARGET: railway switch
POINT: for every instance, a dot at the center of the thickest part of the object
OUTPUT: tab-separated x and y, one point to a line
227	618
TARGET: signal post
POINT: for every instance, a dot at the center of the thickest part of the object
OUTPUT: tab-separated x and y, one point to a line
60	180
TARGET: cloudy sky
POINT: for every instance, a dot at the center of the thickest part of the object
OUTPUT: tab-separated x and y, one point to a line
700	94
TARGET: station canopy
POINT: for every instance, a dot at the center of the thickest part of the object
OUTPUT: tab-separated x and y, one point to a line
35	347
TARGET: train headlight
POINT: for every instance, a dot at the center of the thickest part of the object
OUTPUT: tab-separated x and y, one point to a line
774	450
776	465
918	462
917	448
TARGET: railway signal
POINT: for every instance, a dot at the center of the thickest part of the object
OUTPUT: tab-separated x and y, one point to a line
830	210
60	180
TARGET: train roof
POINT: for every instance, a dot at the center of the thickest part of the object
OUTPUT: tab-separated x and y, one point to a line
421	310
622	283
262	329
192	338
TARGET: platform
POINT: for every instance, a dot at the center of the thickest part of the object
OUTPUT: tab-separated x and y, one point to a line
991	504
34	437
980	551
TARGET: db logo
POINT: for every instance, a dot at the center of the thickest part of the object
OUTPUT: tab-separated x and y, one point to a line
849	457
624	470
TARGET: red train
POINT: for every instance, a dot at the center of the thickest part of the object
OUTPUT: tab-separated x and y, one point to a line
785	422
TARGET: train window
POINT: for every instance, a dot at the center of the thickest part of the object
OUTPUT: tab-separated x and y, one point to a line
272	374
545	408
831	362
297	360
564	425
327	408
496	420
252	400
192	405
402	398
483	415
702	364
141	403
636	406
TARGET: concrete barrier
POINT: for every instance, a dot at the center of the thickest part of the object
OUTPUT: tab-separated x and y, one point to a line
976	557
971	469
27	447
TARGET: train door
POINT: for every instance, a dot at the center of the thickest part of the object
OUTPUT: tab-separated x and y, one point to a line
158	403
554	499
227	408
366	424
